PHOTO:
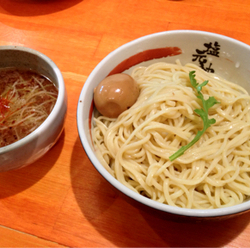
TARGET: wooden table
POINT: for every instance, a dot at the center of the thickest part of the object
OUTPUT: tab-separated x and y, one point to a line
61	200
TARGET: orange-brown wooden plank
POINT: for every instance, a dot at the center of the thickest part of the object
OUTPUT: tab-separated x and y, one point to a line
61	198
13	238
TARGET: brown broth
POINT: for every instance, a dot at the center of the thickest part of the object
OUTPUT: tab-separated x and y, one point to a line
26	100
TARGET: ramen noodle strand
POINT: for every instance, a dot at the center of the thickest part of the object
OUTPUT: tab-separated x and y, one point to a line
135	147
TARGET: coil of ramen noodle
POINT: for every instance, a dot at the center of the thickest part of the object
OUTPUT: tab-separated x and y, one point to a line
135	147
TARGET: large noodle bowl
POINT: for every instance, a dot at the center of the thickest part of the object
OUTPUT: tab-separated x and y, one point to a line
135	147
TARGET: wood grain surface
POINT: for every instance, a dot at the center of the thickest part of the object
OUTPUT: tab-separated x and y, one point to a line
61	200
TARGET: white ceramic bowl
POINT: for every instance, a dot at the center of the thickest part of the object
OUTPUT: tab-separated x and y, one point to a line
232	62
36	144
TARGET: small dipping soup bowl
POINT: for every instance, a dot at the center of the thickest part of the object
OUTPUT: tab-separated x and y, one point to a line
225	56
32	147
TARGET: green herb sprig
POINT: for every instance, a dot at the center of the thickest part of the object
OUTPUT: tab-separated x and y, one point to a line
203	113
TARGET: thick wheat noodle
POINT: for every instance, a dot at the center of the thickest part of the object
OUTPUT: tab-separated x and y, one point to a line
135	147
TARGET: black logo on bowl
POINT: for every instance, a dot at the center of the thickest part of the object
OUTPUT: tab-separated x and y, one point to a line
202	56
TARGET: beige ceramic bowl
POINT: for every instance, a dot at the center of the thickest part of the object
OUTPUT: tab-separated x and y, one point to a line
36	144
225	56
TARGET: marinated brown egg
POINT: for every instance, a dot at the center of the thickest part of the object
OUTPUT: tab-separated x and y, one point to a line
115	94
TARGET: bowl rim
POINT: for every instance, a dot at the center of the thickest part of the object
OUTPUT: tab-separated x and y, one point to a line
57	107
202	213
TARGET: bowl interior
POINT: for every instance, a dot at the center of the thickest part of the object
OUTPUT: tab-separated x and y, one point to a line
214	53
26	58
